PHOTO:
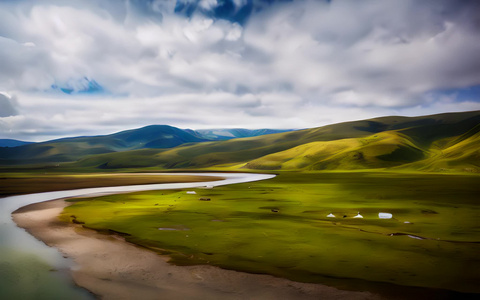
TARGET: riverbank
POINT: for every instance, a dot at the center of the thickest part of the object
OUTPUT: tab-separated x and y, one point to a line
28	183
114	269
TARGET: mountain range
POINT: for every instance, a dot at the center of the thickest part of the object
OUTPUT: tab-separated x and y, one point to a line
443	142
12	143
149	137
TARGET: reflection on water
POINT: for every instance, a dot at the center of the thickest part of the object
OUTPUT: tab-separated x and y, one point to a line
31	270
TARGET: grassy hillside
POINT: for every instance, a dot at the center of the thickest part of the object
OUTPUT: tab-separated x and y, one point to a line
430	143
460	153
389	142
381	150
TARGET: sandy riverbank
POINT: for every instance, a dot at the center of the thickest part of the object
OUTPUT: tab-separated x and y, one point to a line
114	269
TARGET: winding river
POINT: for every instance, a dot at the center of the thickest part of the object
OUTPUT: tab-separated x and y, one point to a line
29	269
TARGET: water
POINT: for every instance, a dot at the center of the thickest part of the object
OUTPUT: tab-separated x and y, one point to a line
29	269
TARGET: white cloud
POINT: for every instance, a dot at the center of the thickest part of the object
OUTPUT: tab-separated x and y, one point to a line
298	64
208	4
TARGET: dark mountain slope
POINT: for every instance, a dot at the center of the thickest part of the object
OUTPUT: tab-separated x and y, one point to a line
12	143
71	149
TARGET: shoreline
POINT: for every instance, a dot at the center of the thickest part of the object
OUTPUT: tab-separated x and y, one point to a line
16	186
112	268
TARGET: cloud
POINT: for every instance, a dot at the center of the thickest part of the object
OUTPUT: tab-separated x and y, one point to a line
378	50
7	106
208	4
292	64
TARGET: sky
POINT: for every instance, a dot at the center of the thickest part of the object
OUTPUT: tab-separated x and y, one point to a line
70	68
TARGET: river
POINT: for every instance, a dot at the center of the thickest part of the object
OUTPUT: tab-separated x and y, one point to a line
29	269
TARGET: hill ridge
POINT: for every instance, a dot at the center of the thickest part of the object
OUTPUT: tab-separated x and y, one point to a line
409	143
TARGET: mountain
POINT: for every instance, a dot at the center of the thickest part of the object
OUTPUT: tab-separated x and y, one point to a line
228	134
12	143
71	149
432	143
443	142
151	137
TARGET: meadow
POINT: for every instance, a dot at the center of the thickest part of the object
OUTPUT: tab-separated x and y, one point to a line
280	227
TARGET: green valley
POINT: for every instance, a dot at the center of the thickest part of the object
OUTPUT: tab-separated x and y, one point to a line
280	227
304	224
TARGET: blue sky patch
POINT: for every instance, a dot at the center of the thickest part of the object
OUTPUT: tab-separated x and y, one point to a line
80	86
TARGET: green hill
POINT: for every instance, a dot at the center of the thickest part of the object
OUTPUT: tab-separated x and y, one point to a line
385	149
461	153
149	137
433	143
388	142
429	143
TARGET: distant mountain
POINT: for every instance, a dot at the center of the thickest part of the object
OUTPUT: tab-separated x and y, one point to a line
228	134
12	143
151	137
71	149
444	142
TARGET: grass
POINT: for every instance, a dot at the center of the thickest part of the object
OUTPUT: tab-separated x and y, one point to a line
385	149
279	227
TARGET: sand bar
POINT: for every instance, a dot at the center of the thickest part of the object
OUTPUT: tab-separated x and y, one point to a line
114	269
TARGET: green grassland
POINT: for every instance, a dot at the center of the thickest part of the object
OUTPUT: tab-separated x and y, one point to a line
279	227
423	170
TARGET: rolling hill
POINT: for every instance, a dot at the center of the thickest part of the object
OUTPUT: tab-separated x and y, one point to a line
431	143
385	149
443	142
149	137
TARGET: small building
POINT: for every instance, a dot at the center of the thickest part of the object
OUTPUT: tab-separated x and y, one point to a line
383	215
359	216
